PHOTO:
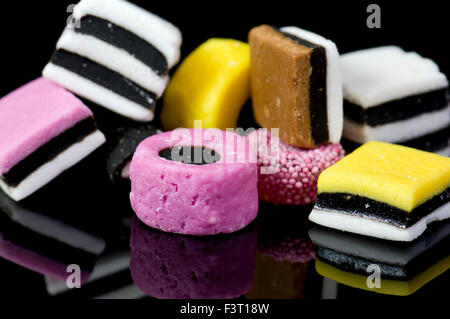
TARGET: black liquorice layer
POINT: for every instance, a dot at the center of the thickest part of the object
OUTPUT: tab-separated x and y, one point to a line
318	90
104	77
397	110
406	272
123	151
49	151
431	142
364	207
126	40
48	247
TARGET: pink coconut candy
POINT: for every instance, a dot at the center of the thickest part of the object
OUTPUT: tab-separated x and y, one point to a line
288	175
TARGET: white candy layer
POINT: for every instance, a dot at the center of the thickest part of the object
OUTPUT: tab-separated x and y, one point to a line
114	59
126	171
50	170
373	228
380	75
400	131
160	33
334	80
98	94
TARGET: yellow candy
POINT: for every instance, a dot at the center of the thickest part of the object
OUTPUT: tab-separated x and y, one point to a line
396	175
212	84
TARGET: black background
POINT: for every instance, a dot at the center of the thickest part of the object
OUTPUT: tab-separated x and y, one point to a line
29	31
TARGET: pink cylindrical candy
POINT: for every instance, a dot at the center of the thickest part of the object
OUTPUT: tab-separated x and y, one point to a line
195	182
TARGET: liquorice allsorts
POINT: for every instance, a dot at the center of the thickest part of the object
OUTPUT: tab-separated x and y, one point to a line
385	191
116	55
296	85
44	130
397	97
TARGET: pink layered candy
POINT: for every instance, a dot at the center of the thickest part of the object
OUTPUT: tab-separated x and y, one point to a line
176	197
44	130
289	176
33	115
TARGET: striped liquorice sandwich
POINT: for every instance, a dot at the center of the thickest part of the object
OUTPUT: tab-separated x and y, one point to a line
395	96
44	130
116	55
296	85
385	191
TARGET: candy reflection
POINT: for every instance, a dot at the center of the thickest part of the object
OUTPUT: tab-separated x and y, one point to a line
284	254
168	266
403	268
45	244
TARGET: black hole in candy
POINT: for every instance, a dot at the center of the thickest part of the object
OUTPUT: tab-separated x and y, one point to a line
190	155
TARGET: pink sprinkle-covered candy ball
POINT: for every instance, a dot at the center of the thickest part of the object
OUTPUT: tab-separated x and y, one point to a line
195	182
288	175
